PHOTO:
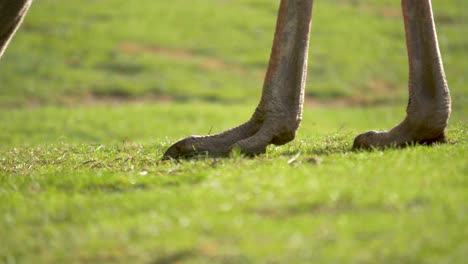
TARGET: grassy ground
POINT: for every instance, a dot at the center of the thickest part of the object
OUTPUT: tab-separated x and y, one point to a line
86	185
214	51
81	179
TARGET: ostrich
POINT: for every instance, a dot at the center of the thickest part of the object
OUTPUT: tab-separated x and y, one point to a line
279	112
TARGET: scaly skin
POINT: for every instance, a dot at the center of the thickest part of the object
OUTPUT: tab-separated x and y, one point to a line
279	113
429	103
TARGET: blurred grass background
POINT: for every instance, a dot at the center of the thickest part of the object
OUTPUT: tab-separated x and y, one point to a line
210	50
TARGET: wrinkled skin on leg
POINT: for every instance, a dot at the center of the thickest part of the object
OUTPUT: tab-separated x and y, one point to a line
279	113
12	13
429	103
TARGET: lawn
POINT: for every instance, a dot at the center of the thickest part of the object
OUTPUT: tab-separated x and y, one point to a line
213	50
92	96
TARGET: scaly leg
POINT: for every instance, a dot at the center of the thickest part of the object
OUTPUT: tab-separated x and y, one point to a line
279	113
429	103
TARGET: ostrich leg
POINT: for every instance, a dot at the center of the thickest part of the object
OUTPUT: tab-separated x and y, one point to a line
279	112
429	104
11	15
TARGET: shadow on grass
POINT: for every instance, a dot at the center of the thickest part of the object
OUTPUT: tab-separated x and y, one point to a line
201	257
176	257
317	208
343	205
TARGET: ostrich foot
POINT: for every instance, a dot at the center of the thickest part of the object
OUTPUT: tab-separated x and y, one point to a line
279	112
407	133
250	138
429	103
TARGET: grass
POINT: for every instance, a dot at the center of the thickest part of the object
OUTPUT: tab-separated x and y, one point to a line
214	51
88	186
92	96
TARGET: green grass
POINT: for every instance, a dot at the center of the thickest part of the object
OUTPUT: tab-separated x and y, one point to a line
86	185
81	180
357	50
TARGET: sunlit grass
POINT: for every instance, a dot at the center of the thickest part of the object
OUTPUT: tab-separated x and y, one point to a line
87	185
93	92
213	50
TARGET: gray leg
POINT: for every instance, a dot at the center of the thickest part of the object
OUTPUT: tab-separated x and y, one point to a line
429	104
12	13
279	113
